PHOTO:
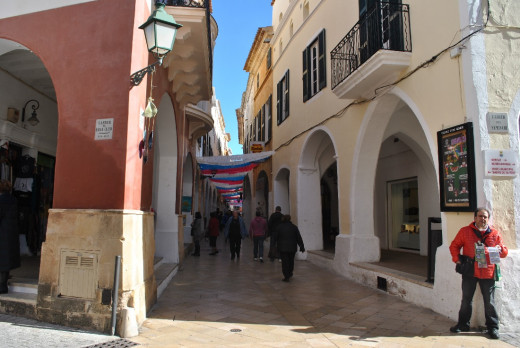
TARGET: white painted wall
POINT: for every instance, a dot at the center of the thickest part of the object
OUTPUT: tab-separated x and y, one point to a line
165	184
42	137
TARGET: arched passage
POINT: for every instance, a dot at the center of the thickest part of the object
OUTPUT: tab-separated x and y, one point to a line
318	155
165	182
187	195
281	190
393	165
28	145
262	194
247	200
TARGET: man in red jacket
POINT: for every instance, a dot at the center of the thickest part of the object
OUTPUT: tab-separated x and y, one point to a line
478	236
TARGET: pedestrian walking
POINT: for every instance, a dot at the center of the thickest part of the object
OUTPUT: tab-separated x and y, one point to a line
288	238
274	221
197	232
213	232
235	231
9	240
258	231
482	248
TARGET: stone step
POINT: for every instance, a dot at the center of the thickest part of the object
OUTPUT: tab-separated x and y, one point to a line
21	285
163	276
18	303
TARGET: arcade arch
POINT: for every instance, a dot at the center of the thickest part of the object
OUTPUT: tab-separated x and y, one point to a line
394	183
282	190
165	182
262	194
26	82
318	156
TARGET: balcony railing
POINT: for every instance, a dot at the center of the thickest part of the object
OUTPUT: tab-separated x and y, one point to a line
188	3
385	27
198	4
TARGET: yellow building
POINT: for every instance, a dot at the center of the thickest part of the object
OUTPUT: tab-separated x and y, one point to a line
256	116
367	94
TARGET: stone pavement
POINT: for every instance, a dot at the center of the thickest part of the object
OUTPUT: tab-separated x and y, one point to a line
216	302
17	332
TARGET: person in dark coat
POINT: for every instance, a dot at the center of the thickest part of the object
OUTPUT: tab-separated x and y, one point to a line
197	232
235	231
9	240
288	237
274	221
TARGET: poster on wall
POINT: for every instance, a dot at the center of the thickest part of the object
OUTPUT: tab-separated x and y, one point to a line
457	168
186	204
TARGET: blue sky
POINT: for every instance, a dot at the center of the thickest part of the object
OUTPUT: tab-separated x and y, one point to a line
238	22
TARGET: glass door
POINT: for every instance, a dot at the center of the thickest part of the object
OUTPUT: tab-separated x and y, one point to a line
403	214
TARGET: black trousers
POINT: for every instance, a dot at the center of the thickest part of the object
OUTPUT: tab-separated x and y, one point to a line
487	288
4	277
234	246
197	247
287	263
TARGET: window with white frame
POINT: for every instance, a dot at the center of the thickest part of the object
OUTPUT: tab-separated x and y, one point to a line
314	74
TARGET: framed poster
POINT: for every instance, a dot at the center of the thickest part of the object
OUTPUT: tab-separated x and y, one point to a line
457	168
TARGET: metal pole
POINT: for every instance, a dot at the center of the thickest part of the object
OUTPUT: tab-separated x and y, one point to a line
115	292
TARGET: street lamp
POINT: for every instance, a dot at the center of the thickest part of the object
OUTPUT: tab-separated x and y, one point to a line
159	30
33	120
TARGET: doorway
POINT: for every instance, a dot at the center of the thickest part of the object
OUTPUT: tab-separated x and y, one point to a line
403	215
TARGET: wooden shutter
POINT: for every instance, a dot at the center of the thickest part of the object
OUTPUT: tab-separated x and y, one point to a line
306	77
286	95
269	58
262	122
269	119
278	103
322	60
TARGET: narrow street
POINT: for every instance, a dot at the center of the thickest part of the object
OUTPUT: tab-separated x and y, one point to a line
216	302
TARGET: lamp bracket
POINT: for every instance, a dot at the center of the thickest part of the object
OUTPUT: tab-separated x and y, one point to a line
137	77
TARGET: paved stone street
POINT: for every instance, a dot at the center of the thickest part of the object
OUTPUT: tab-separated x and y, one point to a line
216	302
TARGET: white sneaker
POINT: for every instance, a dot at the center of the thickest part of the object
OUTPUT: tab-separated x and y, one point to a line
279	260
255	259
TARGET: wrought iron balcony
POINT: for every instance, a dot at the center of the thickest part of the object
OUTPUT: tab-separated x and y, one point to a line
385	27
188	3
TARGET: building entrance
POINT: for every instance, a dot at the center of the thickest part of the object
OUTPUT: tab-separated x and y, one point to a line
31	175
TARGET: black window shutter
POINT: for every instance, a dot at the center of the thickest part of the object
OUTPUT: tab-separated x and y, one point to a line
262	122
278	103
305	74
322	61
259	126
269	120
286	95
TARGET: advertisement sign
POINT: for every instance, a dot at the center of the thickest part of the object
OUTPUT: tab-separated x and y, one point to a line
256	146
456	168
